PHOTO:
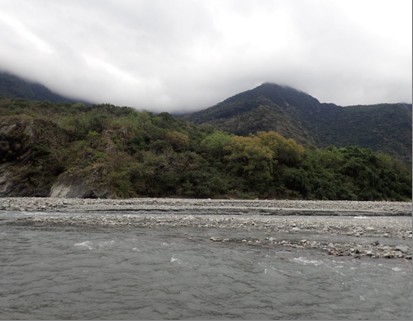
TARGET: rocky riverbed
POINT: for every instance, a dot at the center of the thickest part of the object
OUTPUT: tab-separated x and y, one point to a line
208	206
340	228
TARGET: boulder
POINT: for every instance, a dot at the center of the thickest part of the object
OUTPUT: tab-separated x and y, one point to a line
72	187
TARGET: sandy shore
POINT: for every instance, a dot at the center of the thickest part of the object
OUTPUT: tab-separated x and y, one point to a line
340	228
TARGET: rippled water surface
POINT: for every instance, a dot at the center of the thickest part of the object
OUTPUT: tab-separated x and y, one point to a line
178	273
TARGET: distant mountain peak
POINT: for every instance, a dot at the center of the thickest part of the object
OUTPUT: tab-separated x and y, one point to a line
284	91
298	115
272	85
281	95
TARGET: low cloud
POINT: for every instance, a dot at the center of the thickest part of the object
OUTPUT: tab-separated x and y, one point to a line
187	55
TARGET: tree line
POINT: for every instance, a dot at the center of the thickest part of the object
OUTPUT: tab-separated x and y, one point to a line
137	153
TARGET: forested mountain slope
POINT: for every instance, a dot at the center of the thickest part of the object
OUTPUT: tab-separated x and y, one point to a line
297	115
12	86
73	150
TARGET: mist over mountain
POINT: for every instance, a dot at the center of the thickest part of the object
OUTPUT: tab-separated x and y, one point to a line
288	111
12	86
295	114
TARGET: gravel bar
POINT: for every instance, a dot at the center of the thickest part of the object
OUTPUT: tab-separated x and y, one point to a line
208	206
380	230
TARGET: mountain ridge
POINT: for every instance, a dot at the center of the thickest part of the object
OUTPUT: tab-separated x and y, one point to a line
105	151
295	114
12	86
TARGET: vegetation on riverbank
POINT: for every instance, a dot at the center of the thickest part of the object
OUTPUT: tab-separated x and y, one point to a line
121	152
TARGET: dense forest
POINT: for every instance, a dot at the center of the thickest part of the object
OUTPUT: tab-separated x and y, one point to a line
119	152
295	114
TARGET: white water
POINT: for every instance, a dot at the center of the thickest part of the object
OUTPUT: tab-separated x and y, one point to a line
179	273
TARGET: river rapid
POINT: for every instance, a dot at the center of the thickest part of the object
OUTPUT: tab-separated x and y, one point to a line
133	265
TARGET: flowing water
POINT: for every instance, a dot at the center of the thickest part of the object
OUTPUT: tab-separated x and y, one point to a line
66	272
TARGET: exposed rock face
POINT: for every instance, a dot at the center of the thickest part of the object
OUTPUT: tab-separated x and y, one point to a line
5	180
27	166
67	186
15	138
33	162
71	187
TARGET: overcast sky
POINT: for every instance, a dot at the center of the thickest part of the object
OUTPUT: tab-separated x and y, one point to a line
170	55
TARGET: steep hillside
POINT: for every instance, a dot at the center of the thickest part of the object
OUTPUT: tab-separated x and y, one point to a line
32	155
14	87
267	107
382	127
73	150
297	115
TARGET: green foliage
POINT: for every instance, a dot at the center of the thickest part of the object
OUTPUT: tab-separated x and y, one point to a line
355	173
250	162
294	114
131	154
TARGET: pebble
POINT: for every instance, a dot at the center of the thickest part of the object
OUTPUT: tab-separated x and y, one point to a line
402	248
180	212
284	207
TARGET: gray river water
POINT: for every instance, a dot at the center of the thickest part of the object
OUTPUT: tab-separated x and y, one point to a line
66	272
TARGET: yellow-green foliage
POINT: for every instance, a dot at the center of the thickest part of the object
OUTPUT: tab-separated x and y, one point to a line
132	153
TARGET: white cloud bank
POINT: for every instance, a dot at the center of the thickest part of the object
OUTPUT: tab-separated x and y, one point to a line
171	55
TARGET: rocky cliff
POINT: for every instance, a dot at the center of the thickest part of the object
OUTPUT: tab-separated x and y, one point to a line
28	165
31	163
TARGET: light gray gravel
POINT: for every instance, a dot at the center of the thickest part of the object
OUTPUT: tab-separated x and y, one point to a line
341	228
208	206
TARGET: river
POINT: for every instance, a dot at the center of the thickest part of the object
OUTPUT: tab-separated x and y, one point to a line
162	272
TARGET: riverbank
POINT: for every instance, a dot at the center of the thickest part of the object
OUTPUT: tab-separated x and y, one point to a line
207	206
339	228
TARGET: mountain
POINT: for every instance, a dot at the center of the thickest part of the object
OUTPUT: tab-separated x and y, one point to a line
295	114
73	150
12	86
290	112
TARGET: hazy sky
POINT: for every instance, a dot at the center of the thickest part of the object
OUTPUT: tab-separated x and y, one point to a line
169	55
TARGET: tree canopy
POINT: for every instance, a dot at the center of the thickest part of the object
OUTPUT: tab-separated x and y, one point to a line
133	153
